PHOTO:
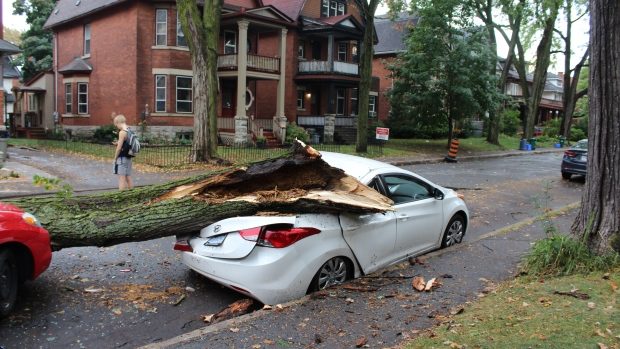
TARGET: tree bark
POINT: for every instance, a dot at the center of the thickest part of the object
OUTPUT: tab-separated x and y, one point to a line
540	71
299	182
368	11
570	90
202	33
598	220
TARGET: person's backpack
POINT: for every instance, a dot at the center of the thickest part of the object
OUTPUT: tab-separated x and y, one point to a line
134	143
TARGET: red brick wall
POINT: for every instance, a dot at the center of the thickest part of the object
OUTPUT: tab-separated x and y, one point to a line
379	69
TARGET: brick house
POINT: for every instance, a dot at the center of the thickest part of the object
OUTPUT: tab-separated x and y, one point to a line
279	61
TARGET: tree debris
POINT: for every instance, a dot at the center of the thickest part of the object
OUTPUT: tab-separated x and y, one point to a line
235	309
573	293
302	180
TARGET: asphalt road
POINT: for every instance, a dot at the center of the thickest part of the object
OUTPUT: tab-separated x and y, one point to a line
125	296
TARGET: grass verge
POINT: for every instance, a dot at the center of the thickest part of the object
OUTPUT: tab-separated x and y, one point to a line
525	313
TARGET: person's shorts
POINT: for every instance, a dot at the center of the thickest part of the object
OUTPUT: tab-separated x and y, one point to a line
123	166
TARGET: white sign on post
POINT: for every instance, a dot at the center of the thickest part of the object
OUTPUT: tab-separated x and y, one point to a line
382	133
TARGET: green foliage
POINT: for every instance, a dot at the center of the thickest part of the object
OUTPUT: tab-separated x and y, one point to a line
582	124
36	41
510	121
293	131
552	127
64	190
444	74
576	134
559	255
105	133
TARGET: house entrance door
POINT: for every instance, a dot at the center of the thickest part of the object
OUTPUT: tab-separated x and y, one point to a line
229	100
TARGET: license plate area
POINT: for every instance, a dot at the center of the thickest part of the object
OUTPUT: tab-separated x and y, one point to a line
216	240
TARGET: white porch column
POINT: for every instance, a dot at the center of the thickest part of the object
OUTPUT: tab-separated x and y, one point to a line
282	80
330	52
241	119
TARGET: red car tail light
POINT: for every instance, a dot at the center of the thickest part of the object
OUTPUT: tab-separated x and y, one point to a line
183	245
570	153
283	236
251	234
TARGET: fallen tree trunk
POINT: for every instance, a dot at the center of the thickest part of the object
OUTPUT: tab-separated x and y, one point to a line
295	183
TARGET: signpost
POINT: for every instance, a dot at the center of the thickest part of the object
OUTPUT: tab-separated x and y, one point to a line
382	133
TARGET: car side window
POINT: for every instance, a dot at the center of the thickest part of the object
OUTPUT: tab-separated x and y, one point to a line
403	188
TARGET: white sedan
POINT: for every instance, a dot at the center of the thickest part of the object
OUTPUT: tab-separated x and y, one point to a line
279	258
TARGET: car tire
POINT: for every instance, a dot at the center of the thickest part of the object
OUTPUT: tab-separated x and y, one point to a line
566	175
455	231
9	282
333	272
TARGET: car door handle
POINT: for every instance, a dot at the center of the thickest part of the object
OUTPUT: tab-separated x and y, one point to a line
403	217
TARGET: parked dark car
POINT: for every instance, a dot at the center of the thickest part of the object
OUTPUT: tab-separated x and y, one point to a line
575	160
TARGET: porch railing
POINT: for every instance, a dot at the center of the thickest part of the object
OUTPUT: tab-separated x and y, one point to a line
319	120
226	123
325	67
255	62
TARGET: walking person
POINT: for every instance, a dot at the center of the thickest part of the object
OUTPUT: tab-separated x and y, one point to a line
122	160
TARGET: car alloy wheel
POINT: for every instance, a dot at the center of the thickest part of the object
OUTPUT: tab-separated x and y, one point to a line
8	282
333	272
454	232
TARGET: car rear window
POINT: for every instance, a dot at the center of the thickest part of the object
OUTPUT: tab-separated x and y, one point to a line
582	145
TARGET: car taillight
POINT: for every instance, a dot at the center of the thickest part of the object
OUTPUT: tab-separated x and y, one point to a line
250	234
280	237
183	245
570	153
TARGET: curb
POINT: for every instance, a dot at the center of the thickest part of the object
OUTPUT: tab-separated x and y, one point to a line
471	157
198	334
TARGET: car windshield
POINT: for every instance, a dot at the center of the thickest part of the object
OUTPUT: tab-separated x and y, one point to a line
582	144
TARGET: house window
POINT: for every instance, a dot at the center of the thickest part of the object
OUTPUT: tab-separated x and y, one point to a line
330	8
342	51
180	35
32	102
372	106
340	101
354	53
301	49
86	39
354	101
230	43
184	94
68	98
83	98
160	93
301	99
161	27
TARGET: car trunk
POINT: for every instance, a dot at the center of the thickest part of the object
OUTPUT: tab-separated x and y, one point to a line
223	239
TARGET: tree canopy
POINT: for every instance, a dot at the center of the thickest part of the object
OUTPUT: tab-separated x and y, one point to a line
445	73
36	41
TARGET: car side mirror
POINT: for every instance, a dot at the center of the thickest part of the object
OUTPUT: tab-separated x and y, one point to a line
438	194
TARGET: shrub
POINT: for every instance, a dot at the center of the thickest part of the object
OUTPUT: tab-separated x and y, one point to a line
105	133
576	134
552	127
510	122
582	124
559	255
293	131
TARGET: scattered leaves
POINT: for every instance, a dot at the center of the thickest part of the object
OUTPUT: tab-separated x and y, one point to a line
418	283
361	342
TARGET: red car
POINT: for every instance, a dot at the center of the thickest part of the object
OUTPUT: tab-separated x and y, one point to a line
25	252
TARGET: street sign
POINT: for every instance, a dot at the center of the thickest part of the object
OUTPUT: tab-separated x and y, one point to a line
382	133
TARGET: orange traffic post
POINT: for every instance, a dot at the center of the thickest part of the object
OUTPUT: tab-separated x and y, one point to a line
454	148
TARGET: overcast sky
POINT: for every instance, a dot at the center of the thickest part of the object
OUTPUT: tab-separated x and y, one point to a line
580	34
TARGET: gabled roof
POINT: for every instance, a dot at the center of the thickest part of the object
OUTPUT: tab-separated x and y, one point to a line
291	8
392	33
77	65
343	22
8	70
68	10
7	47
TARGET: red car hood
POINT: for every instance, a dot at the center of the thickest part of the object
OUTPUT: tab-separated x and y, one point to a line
9	208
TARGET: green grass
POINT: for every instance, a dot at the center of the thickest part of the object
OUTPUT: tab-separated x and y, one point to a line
527	314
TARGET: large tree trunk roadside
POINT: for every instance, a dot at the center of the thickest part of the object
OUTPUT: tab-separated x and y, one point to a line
598	220
368	11
298	182
543	53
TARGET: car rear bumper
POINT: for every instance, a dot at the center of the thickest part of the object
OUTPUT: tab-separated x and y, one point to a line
269	275
578	168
